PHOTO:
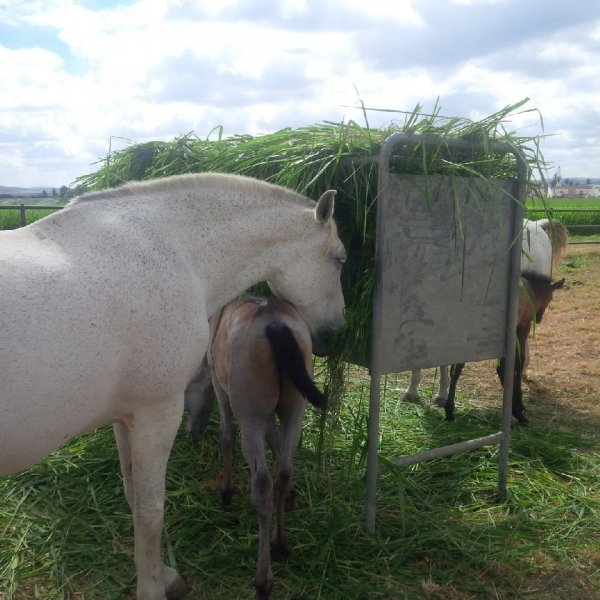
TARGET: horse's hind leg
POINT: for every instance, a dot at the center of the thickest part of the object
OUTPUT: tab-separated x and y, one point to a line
151	437
253	447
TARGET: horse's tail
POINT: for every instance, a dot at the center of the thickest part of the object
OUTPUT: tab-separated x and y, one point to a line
290	359
559	236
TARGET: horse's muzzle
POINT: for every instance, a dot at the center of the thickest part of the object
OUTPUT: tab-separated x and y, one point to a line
325	340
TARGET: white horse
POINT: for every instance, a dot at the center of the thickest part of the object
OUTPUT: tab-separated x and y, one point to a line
544	244
105	310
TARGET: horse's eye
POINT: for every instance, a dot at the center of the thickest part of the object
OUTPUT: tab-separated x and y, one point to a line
341	260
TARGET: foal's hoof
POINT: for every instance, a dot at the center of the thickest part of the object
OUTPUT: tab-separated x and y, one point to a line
263	590
521	418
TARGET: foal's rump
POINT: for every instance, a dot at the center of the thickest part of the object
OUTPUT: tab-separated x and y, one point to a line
258	345
260	340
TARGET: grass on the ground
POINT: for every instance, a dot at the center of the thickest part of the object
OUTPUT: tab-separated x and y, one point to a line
66	528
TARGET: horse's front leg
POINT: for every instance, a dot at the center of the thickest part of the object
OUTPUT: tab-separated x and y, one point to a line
518	408
442	397
151	434
412	393
455	371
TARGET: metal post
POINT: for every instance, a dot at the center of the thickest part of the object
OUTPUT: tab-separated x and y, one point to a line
511	325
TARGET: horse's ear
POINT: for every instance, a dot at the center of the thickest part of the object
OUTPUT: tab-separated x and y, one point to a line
324	208
558	284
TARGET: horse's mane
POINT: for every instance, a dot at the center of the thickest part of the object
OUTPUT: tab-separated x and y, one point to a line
193	181
559	237
536	279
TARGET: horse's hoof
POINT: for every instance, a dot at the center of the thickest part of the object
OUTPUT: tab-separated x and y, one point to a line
522	419
439	401
175	586
449	416
413	398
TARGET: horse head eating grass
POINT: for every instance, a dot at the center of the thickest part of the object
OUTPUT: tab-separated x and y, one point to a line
110	298
261	363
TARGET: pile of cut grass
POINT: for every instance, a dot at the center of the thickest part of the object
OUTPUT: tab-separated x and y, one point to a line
343	156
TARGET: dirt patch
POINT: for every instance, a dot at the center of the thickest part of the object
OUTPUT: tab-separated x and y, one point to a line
565	348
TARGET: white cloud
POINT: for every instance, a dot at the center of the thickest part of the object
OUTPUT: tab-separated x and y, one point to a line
146	69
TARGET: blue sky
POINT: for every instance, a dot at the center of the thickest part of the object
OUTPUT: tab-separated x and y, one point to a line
76	73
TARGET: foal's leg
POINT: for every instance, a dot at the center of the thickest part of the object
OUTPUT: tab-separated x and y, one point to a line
253	446
199	400
412	393
227	438
150	438
291	412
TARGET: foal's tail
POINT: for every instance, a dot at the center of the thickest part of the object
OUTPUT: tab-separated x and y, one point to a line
559	236
290	359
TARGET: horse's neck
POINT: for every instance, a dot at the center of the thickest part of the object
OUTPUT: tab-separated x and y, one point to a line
227	247
242	248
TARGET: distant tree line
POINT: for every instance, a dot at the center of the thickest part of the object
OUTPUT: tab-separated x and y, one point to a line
61	194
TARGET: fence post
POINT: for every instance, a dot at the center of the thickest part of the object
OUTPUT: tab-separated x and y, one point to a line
22	211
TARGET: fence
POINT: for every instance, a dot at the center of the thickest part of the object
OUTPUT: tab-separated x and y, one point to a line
556	212
22	208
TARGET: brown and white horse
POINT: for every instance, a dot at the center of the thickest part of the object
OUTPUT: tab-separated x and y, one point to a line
260	360
544	244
